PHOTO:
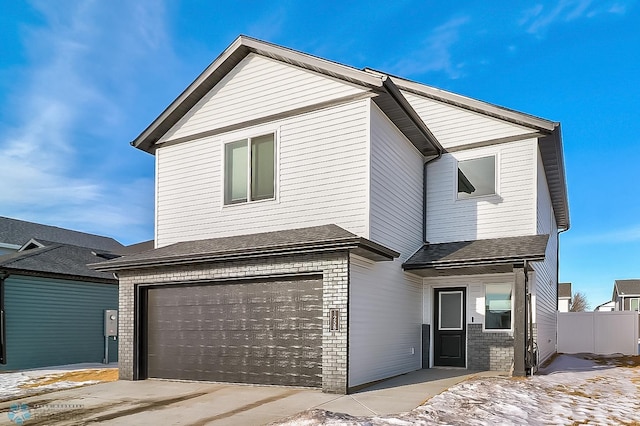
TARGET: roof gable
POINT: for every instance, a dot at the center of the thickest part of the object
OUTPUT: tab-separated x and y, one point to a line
386	95
435	109
455	126
19	232
626	288
259	87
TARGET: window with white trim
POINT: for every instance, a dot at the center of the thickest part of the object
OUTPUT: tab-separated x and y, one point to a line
633	304
250	169
476	177
497	306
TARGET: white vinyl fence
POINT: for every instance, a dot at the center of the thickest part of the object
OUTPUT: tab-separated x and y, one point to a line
598	332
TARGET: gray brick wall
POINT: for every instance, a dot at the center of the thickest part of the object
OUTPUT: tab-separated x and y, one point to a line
488	350
334	268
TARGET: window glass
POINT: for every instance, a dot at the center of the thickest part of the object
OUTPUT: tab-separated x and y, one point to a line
262	167
250	176
634	304
497	302
236	172
451	310
476	177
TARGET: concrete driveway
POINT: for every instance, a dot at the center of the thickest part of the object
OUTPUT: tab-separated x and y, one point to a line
163	402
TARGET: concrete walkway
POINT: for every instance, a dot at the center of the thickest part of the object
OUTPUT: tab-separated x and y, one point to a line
163	402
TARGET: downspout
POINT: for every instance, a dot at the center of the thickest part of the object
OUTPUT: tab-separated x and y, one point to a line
558	267
3	327
558	277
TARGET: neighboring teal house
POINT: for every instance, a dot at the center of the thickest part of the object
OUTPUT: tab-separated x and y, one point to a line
52	304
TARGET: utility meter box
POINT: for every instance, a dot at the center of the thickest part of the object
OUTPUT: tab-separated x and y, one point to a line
111	323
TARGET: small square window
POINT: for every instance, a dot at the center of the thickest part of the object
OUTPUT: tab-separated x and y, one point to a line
476	177
250	169
497	304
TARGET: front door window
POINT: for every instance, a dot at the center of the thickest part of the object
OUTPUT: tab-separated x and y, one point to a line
450	310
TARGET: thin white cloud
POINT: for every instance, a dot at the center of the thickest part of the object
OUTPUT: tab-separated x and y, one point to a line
434	54
539	18
618	9
65	108
630	234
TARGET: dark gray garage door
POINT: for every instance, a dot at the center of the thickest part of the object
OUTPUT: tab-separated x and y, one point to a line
267	332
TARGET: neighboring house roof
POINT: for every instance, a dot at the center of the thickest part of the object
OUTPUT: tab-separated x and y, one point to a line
626	288
136	248
313	239
55	259
564	290
490	255
18	232
385	92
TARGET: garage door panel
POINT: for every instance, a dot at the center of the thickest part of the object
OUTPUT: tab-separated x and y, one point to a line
259	332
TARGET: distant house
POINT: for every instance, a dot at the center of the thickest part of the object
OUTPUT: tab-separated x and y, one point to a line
606	306
364	225
52	305
564	297
626	295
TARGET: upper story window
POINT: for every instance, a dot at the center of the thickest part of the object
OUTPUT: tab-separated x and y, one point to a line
250	169
497	307
476	177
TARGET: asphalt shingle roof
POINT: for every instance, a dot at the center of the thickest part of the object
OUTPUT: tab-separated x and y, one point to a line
290	241
628	287
479	252
18	232
55	259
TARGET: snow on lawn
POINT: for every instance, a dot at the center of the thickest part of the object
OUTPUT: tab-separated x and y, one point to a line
14	385
572	390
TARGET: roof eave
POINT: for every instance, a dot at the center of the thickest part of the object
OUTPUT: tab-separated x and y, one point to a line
360	246
472	263
486	108
408	121
57	275
553	162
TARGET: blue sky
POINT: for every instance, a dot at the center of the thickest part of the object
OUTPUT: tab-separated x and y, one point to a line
80	79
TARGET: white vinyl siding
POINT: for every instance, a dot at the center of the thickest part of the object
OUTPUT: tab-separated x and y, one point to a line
258	87
385	314
544	287
385	321
511	212
454	126
321	178
396	188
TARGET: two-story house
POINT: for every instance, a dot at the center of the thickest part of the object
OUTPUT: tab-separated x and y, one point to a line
327	226
626	295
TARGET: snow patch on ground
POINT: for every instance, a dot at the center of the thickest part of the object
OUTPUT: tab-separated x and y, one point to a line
572	390
15	385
